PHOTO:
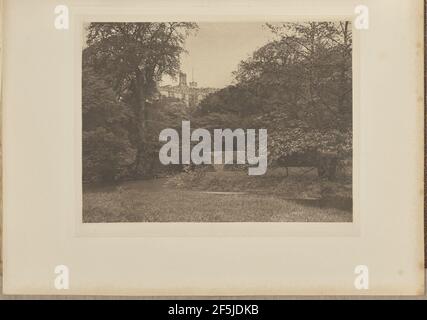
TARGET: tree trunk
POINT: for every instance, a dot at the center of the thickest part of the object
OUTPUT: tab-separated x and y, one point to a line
140	106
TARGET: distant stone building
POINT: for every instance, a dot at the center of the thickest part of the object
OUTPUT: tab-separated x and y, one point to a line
190	94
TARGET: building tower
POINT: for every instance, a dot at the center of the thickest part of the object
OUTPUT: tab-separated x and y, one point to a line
193	84
182	79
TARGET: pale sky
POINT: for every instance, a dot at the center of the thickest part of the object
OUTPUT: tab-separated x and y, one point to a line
217	48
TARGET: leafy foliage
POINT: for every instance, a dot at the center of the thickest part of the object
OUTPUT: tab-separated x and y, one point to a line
298	86
135	56
107	151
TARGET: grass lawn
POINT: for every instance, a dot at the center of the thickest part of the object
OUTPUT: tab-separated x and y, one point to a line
148	201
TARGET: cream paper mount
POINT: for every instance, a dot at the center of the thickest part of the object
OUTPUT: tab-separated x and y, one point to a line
64	234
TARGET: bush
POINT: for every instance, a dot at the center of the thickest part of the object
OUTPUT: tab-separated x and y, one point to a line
106	157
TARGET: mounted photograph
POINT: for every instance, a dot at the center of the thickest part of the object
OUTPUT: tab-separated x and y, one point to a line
217	122
208	149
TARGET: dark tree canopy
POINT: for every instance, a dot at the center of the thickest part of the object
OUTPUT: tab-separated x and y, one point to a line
128	51
135	56
299	86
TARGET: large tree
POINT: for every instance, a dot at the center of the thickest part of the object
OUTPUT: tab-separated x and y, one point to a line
323	51
302	81
136	56
305	72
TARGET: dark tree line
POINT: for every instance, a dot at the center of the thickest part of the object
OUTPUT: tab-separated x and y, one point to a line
299	86
131	57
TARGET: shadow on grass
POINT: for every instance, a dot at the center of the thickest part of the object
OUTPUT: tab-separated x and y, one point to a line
345	204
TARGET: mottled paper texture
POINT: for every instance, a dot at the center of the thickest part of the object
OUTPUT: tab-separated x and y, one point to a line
44	229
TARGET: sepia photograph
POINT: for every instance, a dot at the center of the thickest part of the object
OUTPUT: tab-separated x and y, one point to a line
217	122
